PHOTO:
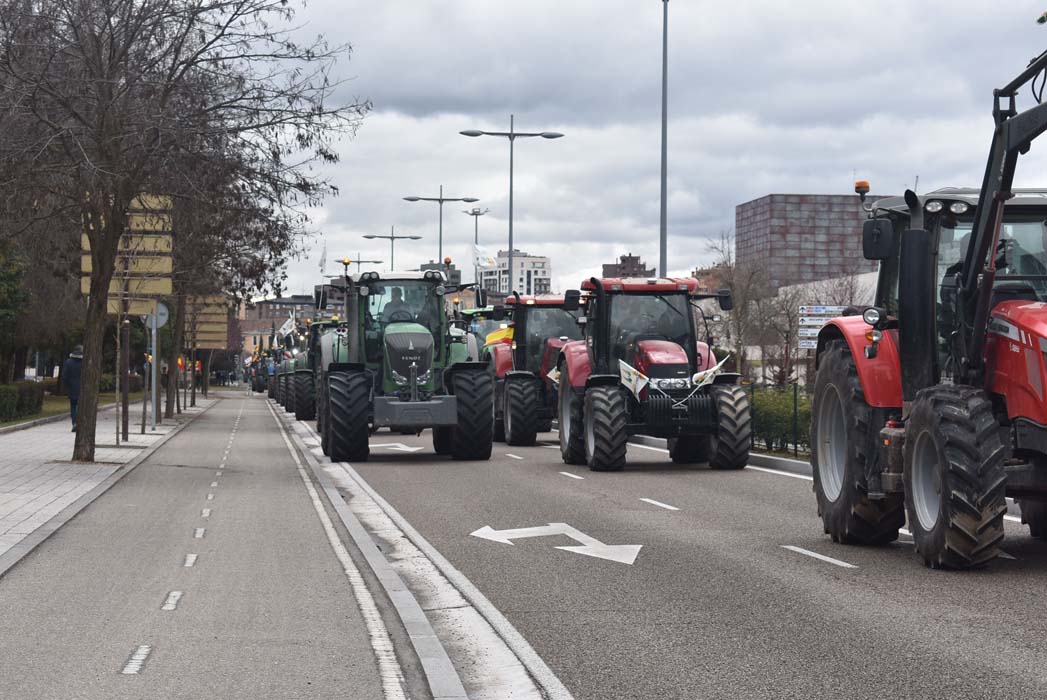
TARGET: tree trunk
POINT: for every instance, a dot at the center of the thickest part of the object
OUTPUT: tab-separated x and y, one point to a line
207	372
173	354
91	371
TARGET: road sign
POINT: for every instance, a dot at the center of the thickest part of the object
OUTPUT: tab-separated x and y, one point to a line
809	344
808	332
590	546
822	310
817	321
162	316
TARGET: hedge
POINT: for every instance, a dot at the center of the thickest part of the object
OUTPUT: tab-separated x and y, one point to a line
30	398
8	402
107	383
772	411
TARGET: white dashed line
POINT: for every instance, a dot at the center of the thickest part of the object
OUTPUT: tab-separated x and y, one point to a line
214	484
659	504
190	560
198	533
205	513
134	664
573	476
210	496
218	473
781	473
171	603
820	557
513	456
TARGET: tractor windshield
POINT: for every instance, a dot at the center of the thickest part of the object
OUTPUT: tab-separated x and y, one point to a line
636	317
408	301
1020	254
544	322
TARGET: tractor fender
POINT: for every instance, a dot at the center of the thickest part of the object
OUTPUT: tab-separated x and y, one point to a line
880	376
602	380
575	357
520	374
502	358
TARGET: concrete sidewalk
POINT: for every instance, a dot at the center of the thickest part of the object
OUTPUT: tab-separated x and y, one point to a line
37	480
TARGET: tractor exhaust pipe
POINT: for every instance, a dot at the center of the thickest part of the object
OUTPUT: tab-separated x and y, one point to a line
603	330
917	333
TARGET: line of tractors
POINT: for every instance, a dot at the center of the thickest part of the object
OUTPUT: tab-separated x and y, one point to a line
618	357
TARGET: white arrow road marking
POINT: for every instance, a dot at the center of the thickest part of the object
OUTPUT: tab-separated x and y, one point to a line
822	557
396	446
590	546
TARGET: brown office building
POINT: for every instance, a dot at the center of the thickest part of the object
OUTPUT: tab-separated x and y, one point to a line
628	265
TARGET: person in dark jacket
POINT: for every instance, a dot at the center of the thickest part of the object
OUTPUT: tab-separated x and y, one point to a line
71	380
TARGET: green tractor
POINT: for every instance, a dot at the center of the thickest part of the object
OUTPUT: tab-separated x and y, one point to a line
399	361
306	370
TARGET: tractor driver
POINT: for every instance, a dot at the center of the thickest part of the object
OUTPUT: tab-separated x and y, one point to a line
395	304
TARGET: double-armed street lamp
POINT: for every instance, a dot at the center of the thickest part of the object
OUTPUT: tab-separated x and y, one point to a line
392	238
476	213
440	200
512	135
349	261
663	234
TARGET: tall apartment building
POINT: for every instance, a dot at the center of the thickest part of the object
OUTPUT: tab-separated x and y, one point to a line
801	237
532	274
628	265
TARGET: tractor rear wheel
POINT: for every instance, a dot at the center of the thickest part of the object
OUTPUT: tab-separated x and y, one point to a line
844	431
572	437
305	396
270	387
442	438
1034	514
605	415
322	410
729	445
289	393
473	436
278	393
545	425
689	449
346	423
521	411
954	478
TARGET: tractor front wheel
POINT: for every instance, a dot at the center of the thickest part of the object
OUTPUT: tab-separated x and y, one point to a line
844	429
346	423
322	410
954	477
521	411
442	438
305	396
572	438
472	438
729	445
289	393
606	414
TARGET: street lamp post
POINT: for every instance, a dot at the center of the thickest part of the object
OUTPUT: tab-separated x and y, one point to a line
663	236
360	262
476	213
512	135
392	238
440	200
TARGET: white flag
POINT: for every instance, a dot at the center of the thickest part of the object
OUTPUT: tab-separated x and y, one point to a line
286	328
633	379
483	259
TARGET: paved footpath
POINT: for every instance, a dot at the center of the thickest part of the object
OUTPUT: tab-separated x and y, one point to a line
37	480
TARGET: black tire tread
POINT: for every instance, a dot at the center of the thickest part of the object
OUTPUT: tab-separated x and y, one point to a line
349	395
472	438
729	448
607	408
572	446
521	412
305	396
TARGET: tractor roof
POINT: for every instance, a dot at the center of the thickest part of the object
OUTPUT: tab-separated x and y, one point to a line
395	276
968	195
646	284
537	300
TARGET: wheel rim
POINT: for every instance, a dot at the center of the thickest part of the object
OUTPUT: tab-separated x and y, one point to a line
565	416
926	482
832	443
590	434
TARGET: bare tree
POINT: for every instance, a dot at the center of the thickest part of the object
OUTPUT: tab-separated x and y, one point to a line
748	286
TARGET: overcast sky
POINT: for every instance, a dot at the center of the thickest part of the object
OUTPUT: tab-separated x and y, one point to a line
763	97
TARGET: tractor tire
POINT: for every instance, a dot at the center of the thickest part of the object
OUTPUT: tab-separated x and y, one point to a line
545	425
289	393
605	416
442	438
322	410
472	438
844	433
572	429
729	445
689	449
1034	514
521	409
278	385
305	396
954	477
349	401
270	387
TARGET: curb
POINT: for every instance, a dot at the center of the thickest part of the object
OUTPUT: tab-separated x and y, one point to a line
31	541
440	674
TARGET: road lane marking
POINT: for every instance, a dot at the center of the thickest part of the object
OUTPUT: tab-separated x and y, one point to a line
820	557
171	603
551	447
389	670
210	496
218	473
513	456
190	560
780	473
588	545
648	447
659	504
214	484
205	513
573	476
1012	518
198	533
134	664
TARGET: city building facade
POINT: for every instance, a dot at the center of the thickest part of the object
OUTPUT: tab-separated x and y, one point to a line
259	319
801	237
453	274
532	274
628	265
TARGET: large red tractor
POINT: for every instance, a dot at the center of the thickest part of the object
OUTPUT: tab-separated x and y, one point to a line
522	357
641	369
931	406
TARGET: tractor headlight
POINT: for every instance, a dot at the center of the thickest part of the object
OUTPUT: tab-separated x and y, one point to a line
400	379
425	376
670	384
933	206
959	207
871	316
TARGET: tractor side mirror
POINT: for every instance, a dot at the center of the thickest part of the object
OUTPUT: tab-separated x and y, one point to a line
723	297
877	239
572	299
498	313
481	297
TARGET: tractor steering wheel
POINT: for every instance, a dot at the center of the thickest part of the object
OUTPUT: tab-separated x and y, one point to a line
400	315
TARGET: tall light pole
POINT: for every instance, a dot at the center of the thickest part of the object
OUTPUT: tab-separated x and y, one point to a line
663	236
512	135
476	213
441	199
360	262
392	238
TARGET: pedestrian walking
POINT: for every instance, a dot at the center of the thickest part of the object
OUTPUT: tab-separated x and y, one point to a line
71	380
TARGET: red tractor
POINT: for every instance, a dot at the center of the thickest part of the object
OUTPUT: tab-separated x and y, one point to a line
641	369
522	356
931	406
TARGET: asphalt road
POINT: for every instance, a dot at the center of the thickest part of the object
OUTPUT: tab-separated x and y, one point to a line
714	605
265	609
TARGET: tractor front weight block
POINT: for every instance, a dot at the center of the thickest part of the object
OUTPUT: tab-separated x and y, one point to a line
391	412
